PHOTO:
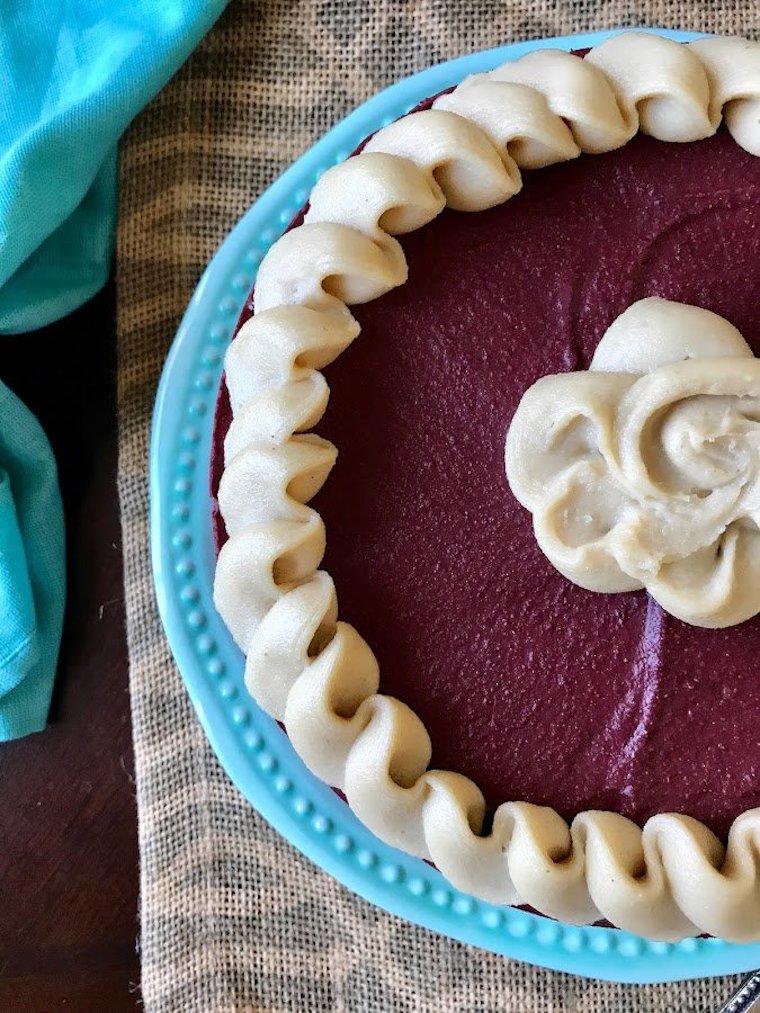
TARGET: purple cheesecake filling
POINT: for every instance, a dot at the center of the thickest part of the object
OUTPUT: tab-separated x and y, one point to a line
533	687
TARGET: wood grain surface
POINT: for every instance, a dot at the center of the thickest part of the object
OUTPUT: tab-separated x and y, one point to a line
68	837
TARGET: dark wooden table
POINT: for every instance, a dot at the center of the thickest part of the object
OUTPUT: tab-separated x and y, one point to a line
68	827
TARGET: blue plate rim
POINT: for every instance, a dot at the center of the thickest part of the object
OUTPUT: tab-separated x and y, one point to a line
253	750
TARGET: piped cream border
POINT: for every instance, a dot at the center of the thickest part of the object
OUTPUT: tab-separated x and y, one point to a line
671	879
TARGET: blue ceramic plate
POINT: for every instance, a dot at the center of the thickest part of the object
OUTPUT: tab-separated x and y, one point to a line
254	751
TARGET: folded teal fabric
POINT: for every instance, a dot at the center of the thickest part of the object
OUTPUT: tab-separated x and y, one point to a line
32	570
73	73
72	76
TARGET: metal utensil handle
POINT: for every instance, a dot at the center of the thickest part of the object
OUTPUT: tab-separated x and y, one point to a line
746	999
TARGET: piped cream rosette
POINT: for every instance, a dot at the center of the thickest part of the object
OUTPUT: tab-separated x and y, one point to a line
644	471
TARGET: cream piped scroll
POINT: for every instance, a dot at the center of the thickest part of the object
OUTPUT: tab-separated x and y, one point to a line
313	671
644	470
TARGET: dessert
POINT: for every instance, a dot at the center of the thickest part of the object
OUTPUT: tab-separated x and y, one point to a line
599	709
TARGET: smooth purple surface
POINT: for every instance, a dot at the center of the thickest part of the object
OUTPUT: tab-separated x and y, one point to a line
537	689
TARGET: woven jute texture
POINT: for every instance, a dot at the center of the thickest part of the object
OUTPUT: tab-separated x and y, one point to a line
232	918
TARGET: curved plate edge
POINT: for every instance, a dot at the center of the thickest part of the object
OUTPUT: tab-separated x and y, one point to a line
253	750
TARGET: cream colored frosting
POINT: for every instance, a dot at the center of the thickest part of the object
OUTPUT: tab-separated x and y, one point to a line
317	674
644	471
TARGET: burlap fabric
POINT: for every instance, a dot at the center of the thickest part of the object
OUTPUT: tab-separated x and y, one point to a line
232	918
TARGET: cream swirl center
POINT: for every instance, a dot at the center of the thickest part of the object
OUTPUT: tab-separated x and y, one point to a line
644	471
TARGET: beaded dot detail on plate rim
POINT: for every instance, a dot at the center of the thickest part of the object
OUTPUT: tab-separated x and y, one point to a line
196	618
629	946
253	740
204	381
321	824
548	934
463	905
302	806
660	948
343	843
205	644
519	926
600	942
241	282
686	945
366	859
572	940
241	715
391	873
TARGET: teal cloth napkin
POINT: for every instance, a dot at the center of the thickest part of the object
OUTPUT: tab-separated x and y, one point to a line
32	570
73	73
